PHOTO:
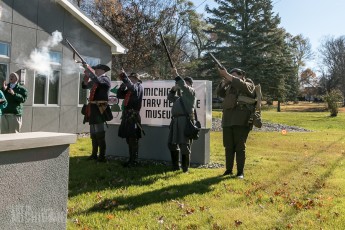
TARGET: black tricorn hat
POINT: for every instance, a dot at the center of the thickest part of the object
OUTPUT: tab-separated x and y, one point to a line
102	67
189	79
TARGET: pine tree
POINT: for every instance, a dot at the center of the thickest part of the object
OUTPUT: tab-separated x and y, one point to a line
248	37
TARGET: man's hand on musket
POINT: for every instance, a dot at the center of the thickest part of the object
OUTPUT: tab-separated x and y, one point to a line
174	72
224	73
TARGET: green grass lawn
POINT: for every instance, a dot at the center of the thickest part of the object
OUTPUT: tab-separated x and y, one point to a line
293	181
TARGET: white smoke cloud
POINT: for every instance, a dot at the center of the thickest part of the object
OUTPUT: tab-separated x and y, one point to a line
39	59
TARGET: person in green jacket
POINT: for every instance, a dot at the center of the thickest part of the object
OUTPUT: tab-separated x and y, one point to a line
3	103
16	95
236	117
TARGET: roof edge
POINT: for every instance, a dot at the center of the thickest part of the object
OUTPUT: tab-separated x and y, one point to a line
116	46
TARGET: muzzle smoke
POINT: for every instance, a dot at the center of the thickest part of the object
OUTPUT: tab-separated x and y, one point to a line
40	59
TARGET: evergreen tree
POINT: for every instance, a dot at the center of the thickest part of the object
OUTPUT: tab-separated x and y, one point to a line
248	37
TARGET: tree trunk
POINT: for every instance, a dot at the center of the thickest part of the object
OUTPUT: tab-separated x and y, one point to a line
278	107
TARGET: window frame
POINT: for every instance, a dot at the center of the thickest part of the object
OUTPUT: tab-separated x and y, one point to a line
56	67
8	50
47	88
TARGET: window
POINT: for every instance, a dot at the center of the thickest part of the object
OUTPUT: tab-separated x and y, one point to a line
47	88
83	94
3	73
47	85
92	61
4	49
55	57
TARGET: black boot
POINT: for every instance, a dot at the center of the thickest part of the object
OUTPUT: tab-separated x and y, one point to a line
175	160
240	161
102	146
133	147
94	147
229	161
185	162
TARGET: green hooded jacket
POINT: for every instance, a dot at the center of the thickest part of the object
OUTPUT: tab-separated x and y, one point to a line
15	101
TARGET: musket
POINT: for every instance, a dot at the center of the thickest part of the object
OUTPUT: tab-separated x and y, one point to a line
216	61
167	51
75	52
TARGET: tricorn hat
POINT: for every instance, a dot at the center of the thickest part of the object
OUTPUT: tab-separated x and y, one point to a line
136	75
189	80
102	67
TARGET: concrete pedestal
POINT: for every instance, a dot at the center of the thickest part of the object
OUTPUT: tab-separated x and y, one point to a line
34	180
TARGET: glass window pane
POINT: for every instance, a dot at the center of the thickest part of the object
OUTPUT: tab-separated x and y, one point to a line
54	88
82	92
3	49
92	61
40	88
55	57
3	73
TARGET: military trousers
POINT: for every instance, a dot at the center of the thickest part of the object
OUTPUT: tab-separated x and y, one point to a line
234	141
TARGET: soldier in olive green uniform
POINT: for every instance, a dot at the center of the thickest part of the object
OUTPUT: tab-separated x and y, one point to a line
236	117
184	99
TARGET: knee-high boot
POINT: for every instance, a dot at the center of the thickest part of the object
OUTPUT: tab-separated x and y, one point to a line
229	160
133	147
94	147
175	159
185	162
240	161
102	146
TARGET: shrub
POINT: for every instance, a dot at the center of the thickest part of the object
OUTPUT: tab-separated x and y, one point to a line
333	99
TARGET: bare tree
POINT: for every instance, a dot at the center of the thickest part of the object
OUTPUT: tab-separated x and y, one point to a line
332	52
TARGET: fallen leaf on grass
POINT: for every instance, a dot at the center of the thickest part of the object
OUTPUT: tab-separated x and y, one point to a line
216	227
180	205
110	216
190	211
110	204
238	223
76	221
161	220
99	196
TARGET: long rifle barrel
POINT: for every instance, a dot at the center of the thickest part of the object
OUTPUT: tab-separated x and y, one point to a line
216	61
167	51
75	52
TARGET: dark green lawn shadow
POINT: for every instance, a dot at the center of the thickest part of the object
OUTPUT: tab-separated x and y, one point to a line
173	192
89	176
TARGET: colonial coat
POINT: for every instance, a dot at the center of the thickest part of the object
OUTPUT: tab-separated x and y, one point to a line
179	117
101	94
132	93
